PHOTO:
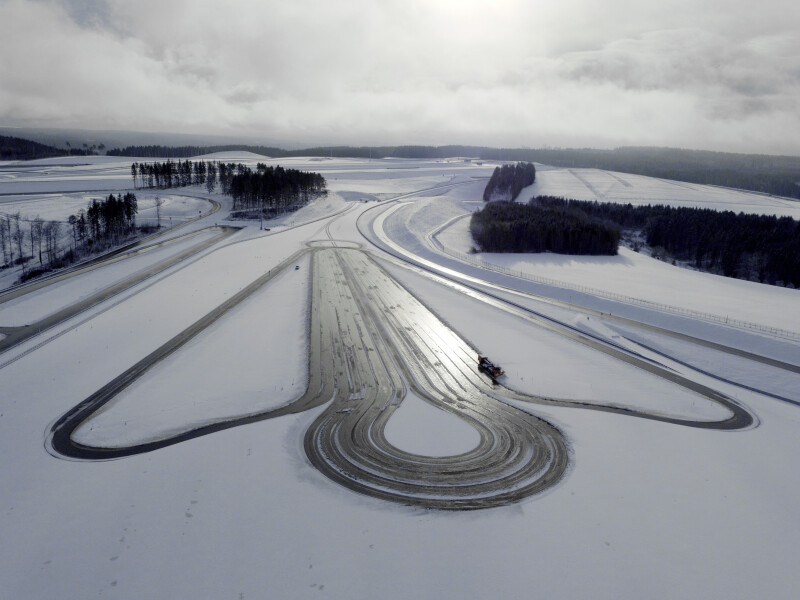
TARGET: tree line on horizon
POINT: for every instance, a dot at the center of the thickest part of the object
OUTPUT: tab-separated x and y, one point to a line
771	174
14	148
175	152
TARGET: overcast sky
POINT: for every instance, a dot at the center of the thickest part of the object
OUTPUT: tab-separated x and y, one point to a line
714	74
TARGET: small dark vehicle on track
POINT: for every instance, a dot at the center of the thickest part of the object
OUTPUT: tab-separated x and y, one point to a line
492	370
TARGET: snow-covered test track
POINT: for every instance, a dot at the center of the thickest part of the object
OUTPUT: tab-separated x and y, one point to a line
372	342
389	324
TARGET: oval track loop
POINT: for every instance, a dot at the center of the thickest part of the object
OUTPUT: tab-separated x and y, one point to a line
409	348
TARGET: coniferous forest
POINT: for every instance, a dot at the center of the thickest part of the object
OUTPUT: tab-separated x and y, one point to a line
513	227
761	248
265	191
14	148
509	180
273	189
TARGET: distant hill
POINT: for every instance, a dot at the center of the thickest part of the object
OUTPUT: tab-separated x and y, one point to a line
770	174
14	148
111	138
158	151
777	175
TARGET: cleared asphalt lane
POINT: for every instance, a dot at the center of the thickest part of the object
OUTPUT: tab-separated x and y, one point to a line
371	341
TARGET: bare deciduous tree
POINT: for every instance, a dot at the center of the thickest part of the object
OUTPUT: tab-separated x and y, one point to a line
73	223
159	203
37	231
51	231
19	238
5	241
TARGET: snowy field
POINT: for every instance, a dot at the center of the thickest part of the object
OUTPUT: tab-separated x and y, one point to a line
646	509
624	188
194	387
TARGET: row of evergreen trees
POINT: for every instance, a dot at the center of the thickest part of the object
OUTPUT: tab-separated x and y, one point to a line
109	219
513	227
761	248
274	189
171	174
267	190
508	181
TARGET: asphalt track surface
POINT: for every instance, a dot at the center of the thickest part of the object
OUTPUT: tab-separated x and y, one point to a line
370	342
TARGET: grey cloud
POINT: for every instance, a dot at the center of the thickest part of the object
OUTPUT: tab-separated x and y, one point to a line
94	14
729	77
246	95
190	67
410	71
